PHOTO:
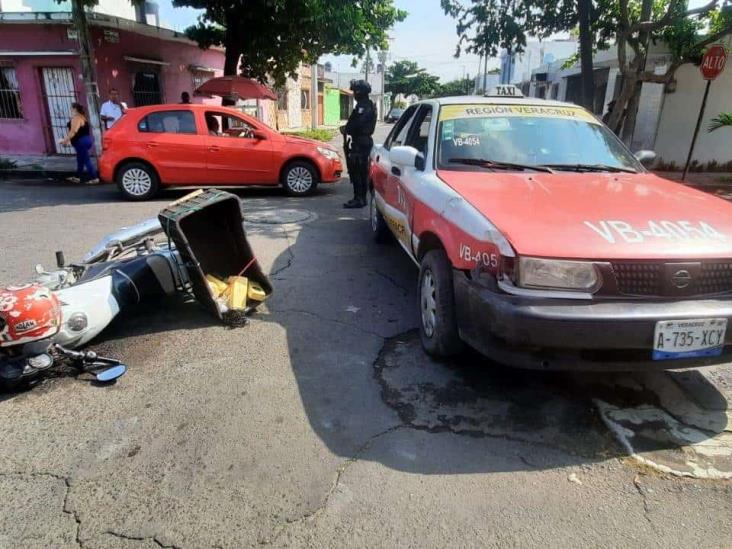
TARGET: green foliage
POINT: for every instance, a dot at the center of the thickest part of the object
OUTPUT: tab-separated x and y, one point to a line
274	36
723	120
486	26
7	164
320	134
459	86
407	78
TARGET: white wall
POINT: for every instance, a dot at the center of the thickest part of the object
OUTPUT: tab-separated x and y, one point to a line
679	114
117	8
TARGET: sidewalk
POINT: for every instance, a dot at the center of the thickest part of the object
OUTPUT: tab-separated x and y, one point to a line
32	166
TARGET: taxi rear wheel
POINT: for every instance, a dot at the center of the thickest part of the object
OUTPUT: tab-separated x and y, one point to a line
438	323
379	228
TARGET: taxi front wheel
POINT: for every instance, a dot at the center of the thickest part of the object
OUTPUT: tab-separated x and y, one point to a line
379	228
438	327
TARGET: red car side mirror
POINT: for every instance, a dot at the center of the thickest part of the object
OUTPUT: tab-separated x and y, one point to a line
259	134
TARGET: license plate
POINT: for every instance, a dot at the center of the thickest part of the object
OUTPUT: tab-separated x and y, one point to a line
689	338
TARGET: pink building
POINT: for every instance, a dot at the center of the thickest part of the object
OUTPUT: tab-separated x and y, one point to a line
40	74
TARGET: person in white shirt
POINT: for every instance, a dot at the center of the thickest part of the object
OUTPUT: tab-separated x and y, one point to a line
112	109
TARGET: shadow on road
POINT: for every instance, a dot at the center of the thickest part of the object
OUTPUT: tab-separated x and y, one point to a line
344	300
22	195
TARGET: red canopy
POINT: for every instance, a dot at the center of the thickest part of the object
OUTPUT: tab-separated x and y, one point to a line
236	86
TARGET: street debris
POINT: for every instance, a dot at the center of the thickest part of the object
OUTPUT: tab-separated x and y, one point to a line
197	247
574	478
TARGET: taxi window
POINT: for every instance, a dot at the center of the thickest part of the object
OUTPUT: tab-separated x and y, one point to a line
527	134
398	132
419	136
168	122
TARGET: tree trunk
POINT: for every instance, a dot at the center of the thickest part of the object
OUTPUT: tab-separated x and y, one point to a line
86	58
585	38
639	65
232	55
617	115
631	113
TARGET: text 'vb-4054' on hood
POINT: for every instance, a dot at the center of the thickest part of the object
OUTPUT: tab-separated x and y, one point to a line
599	215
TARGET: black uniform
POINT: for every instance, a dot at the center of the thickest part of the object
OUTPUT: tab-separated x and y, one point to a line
359	128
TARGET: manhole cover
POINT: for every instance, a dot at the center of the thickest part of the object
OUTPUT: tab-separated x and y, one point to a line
278	217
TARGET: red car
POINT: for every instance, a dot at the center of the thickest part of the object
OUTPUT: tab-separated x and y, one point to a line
544	243
199	145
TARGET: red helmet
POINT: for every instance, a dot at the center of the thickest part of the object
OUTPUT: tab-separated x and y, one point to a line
28	313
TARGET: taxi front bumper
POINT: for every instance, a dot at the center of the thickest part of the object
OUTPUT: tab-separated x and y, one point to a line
568	334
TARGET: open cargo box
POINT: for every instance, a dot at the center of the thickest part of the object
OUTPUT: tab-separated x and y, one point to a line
206	227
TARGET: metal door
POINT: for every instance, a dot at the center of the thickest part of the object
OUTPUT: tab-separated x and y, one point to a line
58	87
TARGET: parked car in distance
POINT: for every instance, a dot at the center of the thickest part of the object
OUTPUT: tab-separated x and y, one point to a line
393	114
544	243
202	145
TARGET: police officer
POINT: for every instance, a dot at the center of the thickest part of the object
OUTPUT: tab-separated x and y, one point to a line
358	142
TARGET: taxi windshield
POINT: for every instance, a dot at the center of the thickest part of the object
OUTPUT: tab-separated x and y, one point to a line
475	137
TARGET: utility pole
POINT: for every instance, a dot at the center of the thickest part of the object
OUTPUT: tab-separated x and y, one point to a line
88	73
314	95
485	73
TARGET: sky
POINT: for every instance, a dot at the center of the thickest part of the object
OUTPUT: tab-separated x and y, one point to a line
426	36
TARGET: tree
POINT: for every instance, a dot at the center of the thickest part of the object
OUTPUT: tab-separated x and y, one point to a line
459	86
686	32
270	38
633	26
407	78
485	26
723	120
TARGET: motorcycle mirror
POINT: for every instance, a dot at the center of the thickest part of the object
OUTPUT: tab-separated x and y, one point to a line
110	374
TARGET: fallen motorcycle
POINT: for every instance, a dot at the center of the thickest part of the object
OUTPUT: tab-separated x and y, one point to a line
200	235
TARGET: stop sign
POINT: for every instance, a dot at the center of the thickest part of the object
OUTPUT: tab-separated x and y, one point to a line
713	62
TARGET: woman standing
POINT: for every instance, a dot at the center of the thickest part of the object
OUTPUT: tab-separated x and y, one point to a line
79	137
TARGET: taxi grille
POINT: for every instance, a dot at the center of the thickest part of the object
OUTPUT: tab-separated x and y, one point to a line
657	278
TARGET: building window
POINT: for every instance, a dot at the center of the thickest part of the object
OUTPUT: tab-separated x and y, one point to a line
199	78
9	94
304	100
146	88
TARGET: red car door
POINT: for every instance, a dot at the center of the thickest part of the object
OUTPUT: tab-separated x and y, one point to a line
233	154
173	145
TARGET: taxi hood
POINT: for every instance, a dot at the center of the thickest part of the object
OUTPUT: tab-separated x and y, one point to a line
599	215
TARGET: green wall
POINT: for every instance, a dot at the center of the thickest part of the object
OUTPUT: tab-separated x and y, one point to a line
332	101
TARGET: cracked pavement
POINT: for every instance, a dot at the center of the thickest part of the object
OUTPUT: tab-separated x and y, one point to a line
322	423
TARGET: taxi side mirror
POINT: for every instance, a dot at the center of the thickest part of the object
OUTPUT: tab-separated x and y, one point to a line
259	134
407	157
645	157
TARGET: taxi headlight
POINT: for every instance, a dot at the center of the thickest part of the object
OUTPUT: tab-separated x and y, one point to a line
558	274
328	153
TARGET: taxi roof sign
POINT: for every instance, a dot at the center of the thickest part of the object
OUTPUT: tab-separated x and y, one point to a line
505	90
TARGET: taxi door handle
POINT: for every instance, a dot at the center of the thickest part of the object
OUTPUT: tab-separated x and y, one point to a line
151	145
396	171
214	148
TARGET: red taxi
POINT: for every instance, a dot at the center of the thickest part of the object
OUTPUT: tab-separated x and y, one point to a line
200	145
544	243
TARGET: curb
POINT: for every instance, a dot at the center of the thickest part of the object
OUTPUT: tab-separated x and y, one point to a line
35	174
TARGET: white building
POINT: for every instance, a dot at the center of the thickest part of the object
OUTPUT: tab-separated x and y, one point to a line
517	67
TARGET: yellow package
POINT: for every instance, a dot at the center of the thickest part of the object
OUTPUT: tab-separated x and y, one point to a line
237	292
256	292
217	286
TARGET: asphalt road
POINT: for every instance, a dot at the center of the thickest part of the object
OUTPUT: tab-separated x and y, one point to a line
322	423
